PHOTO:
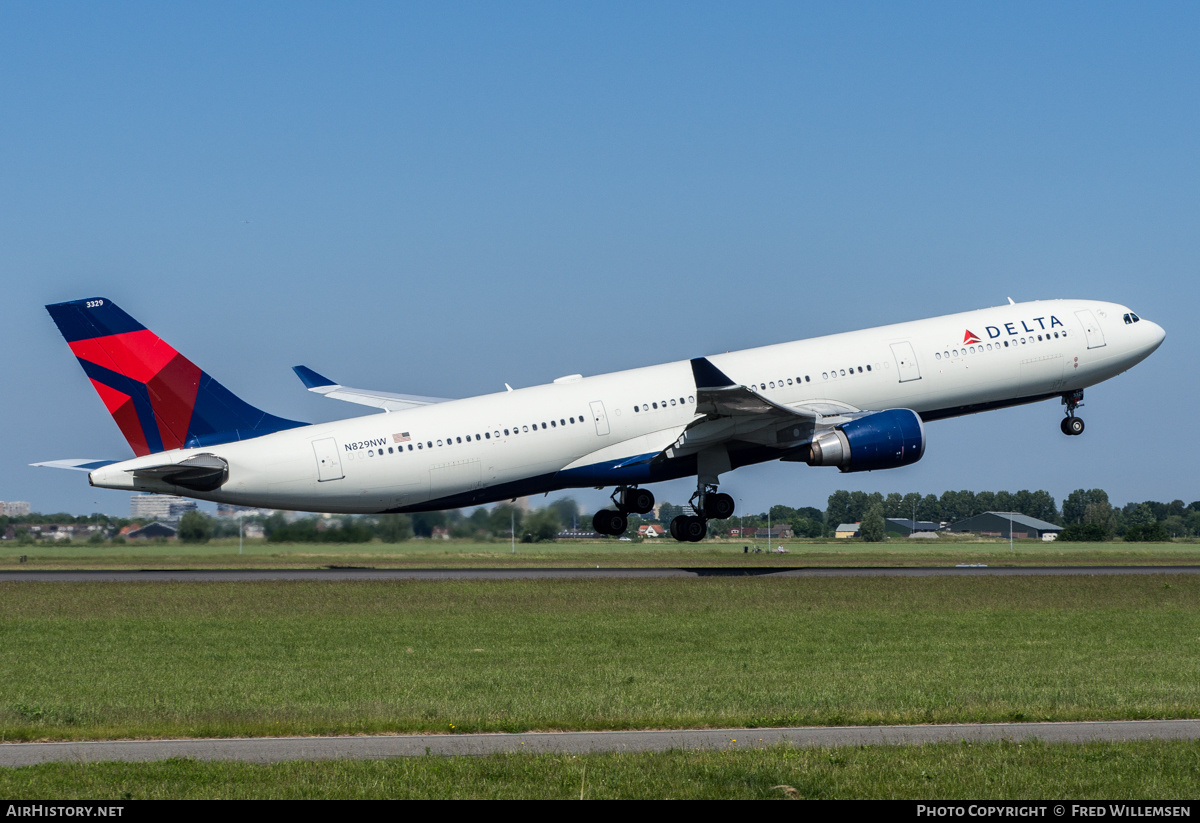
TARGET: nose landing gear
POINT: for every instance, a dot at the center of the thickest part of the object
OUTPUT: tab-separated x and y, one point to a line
1072	425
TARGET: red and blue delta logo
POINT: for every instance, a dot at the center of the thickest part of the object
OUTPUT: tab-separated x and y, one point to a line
970	337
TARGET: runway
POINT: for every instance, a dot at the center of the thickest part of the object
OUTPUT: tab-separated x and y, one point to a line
358	573
275	750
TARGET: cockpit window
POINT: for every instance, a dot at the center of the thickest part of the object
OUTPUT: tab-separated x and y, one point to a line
1131	318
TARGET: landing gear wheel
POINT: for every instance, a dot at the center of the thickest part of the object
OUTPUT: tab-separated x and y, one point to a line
695	529
639	501
1072	425
609	522
674	528
718	506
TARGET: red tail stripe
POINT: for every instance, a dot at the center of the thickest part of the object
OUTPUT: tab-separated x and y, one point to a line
131	427
112	398
173	396
138	355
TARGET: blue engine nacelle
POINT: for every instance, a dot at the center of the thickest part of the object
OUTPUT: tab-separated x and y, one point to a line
884	440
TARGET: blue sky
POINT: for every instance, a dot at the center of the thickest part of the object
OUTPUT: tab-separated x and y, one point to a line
440	198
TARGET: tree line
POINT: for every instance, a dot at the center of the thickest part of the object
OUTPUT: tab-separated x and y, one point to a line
1086	514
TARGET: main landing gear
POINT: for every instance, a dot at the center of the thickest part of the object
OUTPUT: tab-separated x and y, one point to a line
708	504
1071	424
628	500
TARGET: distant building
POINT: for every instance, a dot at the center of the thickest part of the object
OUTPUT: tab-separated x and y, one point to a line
999	524
775	533
846	531
165	507
651	530
906	528
14	508
150	531
62	531
231	511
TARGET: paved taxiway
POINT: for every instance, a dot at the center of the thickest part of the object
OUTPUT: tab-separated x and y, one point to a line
335	573
274	750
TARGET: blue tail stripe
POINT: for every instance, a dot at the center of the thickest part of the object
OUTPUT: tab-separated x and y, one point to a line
136	390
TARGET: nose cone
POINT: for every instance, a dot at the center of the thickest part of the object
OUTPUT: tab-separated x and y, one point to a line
1155	334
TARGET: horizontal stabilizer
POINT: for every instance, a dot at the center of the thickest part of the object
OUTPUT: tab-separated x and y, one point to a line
364	397
84	465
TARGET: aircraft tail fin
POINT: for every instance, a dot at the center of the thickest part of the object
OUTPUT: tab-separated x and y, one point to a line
159	399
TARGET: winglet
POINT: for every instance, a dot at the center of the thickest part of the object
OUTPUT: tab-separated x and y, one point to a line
708	376
311	379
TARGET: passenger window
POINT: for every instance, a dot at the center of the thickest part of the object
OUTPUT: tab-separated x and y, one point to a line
552	425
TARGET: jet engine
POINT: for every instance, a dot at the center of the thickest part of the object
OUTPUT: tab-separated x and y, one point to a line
883	440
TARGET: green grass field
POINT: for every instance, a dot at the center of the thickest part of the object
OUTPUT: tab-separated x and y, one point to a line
80	661
668	553
1126	771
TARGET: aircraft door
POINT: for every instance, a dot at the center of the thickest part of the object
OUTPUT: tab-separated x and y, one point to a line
600	417
1095	335
329	462
906	361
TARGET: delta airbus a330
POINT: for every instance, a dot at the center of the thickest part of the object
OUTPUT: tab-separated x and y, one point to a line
857	401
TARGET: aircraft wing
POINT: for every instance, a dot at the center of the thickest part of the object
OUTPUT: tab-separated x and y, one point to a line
365	397
727	411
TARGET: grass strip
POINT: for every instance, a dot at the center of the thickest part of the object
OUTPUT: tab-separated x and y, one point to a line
993	771
605	553
105	661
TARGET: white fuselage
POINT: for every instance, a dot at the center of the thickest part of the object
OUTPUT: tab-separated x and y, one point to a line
582	431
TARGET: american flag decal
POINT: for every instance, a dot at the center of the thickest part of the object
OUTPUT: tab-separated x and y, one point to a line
402	437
